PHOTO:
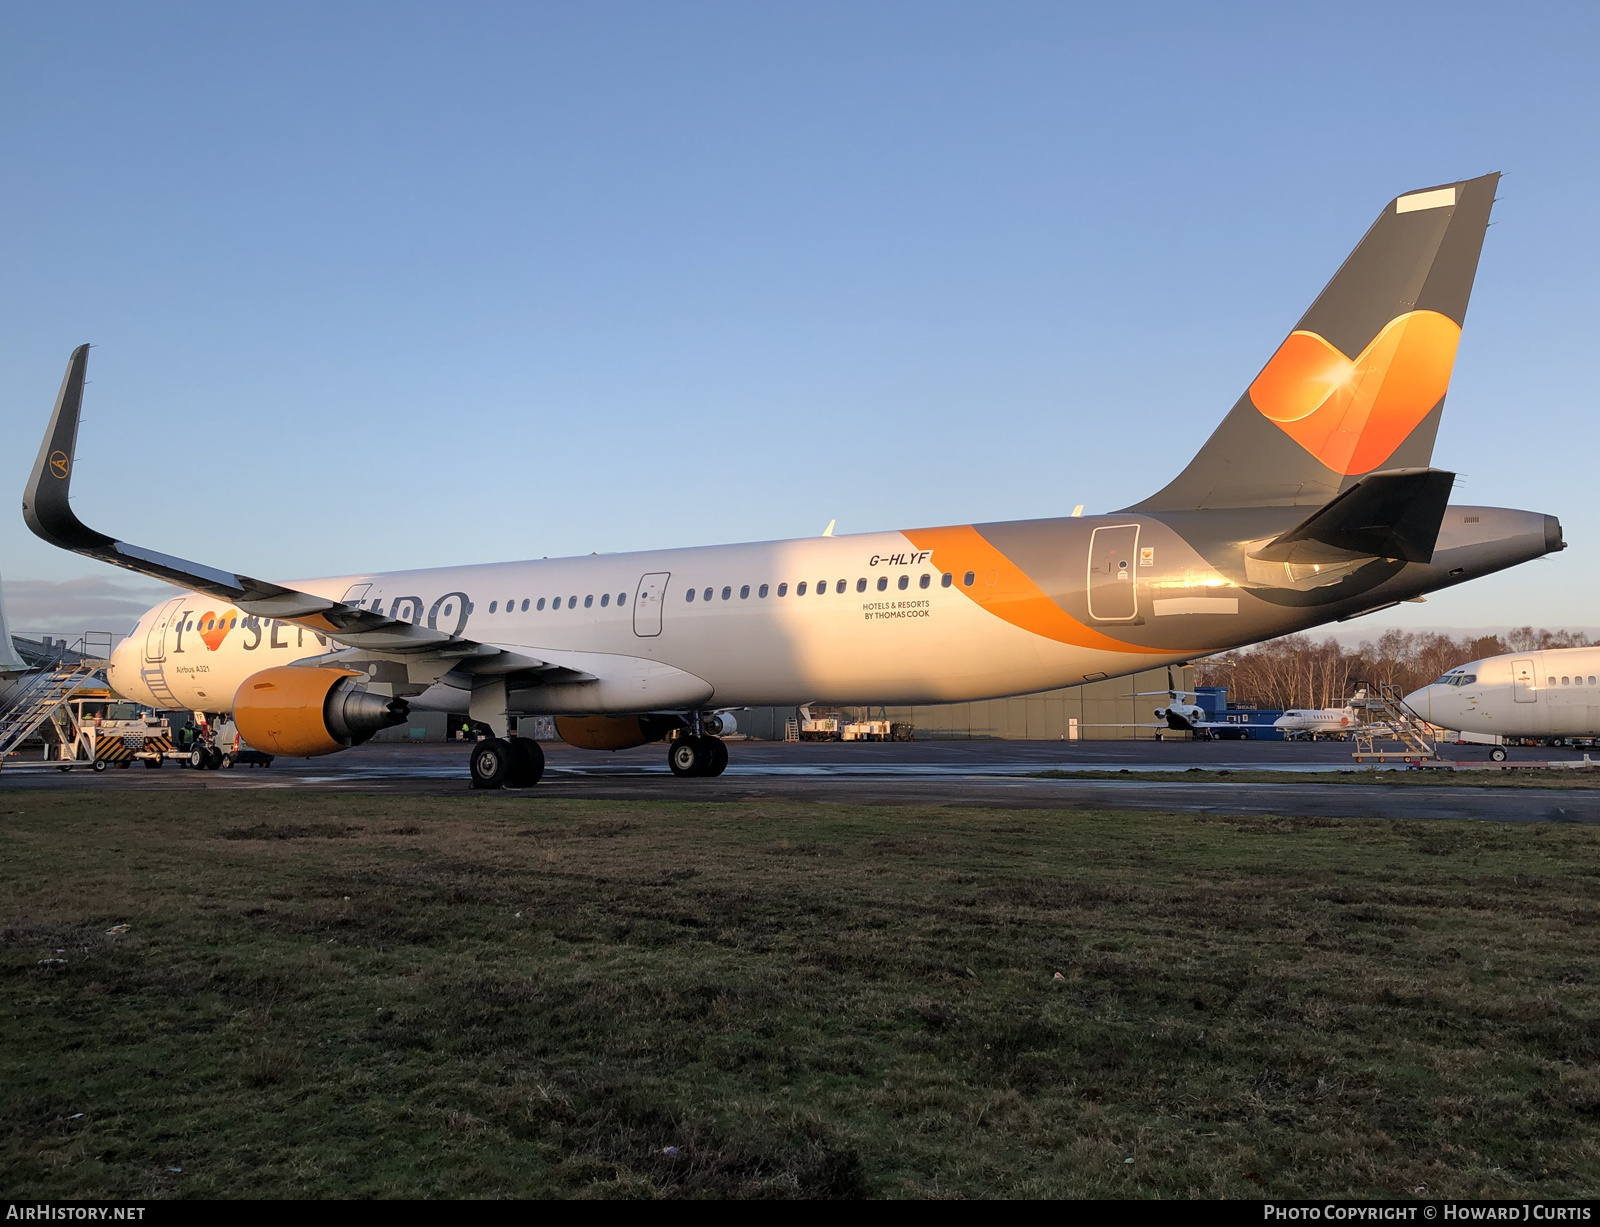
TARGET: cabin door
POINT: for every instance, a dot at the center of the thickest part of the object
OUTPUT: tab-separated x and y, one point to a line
155	642
1114	573
1524	685
647	604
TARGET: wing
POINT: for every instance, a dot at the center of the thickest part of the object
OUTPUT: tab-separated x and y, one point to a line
48	513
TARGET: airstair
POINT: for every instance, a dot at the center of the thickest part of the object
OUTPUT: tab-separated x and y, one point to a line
1384	714
39	696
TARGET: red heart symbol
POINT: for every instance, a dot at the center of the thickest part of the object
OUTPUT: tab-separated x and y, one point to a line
214	627
1351	415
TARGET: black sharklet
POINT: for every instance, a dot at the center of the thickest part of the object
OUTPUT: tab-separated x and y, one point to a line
1393	513
47	510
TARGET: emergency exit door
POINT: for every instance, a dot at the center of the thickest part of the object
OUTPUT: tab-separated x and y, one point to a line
1113	573
1524	685
647	604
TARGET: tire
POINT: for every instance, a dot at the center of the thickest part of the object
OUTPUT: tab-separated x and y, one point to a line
197	759
227	762
527	763
99	764
687	757
1497	755
717	763
153	764
491	763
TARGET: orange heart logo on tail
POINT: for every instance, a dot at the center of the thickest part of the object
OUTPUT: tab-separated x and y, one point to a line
214	627
1351	415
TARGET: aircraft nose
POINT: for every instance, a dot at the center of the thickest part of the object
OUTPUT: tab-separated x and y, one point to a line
1421	702
120	664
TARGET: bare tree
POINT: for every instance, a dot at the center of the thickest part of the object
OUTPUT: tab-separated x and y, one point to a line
1296	671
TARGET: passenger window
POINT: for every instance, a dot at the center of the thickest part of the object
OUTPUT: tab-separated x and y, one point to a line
1566	681
822	586
762	592
905	582
449	609
541	604
1552	681
572	602
966	580
925	580
800	590
622	599
726	593
605	599
588	601
883	582
525	604
706	595
783	589
689	595
493	605
946	580
843	584
1591	681
861	585
744	593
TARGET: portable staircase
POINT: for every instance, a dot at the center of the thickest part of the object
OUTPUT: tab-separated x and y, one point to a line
1384	714
41	694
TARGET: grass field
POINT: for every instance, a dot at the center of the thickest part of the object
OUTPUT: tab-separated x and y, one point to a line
337	995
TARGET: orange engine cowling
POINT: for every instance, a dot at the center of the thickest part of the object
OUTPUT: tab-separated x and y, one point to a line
305	712
613	732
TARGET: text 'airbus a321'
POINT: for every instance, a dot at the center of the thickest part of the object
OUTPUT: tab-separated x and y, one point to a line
1312	501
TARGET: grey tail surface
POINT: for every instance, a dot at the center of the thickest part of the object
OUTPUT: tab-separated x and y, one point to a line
1358	386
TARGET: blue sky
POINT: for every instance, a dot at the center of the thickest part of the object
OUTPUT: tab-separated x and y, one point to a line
395	285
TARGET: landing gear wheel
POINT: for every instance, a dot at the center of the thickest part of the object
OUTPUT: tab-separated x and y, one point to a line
213	759
227	762
718	762
197	759
1498	754
99	764
688	756
527	763
491	764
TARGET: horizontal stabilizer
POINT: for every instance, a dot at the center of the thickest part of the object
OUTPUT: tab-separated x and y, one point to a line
1390	514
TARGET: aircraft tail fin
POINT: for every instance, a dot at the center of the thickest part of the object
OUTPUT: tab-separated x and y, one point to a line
10	662
1359	384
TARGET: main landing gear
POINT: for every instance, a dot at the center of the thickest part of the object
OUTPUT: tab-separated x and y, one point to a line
507	762
692	755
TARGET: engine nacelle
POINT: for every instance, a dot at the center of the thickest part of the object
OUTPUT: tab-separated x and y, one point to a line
306	712
613	732
721	724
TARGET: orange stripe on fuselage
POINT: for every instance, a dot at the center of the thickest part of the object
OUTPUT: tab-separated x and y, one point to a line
1012	597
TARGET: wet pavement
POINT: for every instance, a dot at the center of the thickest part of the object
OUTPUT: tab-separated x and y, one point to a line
987	774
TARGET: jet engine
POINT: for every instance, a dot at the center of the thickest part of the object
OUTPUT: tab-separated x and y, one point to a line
306	712
722	724
613	732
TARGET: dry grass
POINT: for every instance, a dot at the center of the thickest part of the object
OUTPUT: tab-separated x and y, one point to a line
332	995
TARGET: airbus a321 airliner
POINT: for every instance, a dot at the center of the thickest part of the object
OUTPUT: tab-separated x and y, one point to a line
1312	501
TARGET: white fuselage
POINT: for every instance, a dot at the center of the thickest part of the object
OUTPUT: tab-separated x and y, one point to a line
760	629
1553	693
1317	720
